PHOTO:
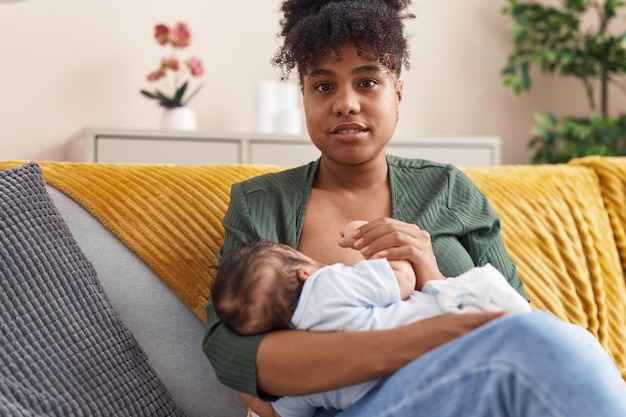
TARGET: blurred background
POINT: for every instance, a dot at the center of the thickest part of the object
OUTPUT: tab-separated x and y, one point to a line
67	64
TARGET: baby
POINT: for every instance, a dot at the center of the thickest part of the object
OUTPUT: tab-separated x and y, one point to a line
268	286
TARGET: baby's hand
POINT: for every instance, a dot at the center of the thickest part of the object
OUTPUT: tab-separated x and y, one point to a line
348	233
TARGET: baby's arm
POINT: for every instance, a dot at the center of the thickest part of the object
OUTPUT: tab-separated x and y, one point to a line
405	276
403	269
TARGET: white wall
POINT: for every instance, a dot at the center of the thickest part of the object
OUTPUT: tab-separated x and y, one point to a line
66	64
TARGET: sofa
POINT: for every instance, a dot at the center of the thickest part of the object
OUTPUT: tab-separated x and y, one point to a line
106	268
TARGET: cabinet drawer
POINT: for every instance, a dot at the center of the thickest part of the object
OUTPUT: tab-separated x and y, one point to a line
158	151
296	152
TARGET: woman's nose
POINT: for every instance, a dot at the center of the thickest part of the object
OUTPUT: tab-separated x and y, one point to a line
346	102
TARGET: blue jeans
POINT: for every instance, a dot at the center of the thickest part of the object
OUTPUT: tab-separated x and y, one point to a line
529	364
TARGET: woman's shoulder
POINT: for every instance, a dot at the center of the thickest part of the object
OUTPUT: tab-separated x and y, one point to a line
399	162
424	173
417	166
284	180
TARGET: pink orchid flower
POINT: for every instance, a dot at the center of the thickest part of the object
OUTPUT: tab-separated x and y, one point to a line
180	36
171	63
156	75
161	33
195	66
173	92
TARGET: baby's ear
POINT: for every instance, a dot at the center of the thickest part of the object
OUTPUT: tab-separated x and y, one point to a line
303	274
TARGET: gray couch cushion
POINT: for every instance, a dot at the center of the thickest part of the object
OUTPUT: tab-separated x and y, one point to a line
63	350
167	330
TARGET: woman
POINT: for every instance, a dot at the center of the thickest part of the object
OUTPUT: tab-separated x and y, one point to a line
349	55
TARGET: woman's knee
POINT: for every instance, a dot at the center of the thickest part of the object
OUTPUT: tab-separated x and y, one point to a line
543	330
540	340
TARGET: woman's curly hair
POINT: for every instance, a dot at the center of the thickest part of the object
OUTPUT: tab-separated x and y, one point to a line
313	29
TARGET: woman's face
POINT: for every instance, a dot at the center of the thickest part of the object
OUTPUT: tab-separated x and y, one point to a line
351	107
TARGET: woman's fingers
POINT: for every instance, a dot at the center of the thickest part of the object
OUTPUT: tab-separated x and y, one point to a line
385	233
396	240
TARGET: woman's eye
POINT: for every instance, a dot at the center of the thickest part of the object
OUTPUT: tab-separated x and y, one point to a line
323	87
368	83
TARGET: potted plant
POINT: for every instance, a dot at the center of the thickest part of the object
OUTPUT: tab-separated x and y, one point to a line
173	74
553	39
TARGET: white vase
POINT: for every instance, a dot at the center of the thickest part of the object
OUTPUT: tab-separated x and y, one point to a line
179	118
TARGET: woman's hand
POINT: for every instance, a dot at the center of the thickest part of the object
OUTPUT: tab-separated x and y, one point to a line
397	240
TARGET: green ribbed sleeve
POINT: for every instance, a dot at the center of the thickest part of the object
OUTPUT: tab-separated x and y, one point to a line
269	207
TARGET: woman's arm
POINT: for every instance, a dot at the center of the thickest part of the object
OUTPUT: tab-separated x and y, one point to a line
482	238
294	362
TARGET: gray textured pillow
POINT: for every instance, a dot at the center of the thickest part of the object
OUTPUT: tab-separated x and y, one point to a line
63	351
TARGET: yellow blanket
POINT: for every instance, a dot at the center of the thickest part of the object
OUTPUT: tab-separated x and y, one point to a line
557	229
169	215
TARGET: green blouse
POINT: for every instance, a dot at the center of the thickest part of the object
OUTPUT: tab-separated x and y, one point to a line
439	198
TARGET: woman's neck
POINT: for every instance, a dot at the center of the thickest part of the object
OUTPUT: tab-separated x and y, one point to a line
336	176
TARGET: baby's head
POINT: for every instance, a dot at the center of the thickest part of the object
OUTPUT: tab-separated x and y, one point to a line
347	233
257	287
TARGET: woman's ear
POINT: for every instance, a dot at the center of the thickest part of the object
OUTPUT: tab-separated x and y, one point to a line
399	86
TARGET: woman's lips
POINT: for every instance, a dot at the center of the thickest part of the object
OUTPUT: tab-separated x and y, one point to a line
346	131
348	128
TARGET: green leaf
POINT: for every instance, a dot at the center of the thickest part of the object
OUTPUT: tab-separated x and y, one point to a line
149	94
193	94
180	93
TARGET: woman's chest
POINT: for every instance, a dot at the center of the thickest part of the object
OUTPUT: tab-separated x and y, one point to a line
325	216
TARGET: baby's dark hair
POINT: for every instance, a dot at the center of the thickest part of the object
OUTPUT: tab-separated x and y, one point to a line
313	29
256	289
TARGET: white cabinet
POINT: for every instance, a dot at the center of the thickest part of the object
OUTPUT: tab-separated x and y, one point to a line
157	146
